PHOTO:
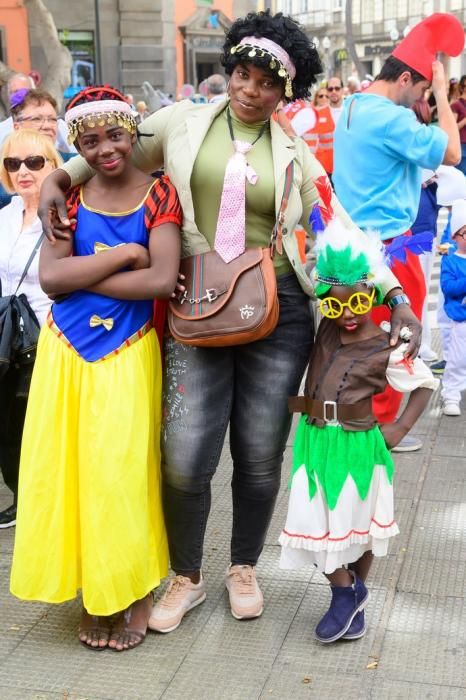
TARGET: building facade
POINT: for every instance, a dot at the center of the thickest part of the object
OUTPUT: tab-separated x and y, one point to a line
125	42
120	42
377	26
14	36
200	30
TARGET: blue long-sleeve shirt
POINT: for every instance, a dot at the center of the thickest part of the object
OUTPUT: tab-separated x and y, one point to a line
453	283
446	235
426	219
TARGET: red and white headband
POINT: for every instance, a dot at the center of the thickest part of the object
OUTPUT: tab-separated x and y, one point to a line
99	113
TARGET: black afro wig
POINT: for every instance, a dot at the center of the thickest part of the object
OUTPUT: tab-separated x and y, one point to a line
285	32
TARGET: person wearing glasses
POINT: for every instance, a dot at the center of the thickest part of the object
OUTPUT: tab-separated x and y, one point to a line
335	98
340	512
320	98
327	119
19	82
36	109
27	158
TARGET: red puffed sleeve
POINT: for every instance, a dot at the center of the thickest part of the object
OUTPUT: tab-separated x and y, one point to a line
162	205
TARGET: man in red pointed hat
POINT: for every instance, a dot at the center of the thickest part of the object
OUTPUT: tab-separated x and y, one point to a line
380	149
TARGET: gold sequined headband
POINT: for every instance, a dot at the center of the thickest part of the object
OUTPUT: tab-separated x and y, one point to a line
279	58
99	113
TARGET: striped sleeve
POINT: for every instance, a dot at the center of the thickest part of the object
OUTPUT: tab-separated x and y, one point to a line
162	205
73	198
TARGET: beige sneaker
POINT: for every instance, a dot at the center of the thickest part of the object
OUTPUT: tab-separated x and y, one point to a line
246	599
181	596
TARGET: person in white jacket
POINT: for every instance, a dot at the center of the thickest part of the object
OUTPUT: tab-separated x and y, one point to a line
26	160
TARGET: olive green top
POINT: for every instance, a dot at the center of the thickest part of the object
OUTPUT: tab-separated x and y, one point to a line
207	183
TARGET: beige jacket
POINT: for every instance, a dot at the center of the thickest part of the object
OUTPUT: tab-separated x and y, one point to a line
172	138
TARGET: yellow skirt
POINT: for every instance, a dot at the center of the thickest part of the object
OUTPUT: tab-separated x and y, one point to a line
89	506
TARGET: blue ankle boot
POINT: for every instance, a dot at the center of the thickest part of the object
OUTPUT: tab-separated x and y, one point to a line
347	602
357	628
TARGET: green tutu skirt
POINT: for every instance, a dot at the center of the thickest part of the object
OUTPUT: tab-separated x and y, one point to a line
333	453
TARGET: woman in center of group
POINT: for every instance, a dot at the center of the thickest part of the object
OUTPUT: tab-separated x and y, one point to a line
269	59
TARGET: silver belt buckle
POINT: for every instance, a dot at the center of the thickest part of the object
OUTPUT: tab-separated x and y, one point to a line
333	406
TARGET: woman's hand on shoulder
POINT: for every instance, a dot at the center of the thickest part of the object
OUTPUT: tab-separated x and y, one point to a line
180	288
52	209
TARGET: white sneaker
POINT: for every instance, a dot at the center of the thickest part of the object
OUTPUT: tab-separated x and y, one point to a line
427	354
246	599
408	444
181	596
451	408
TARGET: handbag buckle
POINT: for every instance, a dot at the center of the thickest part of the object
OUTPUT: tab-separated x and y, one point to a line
210	295
333	406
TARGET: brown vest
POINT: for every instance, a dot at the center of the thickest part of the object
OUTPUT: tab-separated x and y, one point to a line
347	373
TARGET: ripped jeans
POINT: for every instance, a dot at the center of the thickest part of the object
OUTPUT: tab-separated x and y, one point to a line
245	387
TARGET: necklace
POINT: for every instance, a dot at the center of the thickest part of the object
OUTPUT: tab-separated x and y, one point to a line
230	127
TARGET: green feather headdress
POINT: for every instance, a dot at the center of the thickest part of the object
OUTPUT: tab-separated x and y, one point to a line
346	257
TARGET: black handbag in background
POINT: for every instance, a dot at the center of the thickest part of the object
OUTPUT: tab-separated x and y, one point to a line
19	332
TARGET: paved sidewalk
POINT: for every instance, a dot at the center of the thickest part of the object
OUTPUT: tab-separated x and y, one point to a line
415	646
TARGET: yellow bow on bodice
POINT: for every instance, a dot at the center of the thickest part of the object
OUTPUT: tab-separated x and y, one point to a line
100	247
95	321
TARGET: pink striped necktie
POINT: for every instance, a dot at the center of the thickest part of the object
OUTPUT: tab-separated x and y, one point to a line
230	236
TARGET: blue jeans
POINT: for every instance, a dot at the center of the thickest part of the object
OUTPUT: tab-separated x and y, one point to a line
245	387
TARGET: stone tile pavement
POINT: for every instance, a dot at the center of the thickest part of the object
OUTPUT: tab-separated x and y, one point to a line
415	647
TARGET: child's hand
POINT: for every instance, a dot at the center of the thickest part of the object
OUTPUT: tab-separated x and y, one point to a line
140	259
402	315
393	433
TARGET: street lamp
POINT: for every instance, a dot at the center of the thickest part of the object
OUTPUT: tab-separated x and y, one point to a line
98	49
326	44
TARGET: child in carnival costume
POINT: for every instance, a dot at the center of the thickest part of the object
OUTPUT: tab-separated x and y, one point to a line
340	510
453	283
89	509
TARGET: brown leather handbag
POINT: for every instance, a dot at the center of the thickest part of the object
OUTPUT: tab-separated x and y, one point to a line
229	303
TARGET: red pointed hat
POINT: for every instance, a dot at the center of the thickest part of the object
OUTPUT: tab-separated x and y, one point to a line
439	32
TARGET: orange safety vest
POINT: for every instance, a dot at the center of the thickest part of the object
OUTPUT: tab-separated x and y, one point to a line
309	113
324	129
319	137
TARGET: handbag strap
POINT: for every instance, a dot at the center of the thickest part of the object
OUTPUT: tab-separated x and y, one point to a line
276	239
29	262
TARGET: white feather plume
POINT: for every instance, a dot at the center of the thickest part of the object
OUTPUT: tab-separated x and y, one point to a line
337	237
